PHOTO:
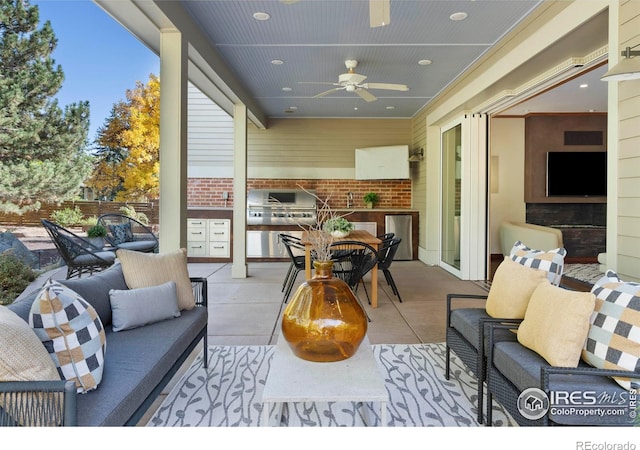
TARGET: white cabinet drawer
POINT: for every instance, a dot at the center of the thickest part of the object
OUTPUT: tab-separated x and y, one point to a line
219	225
197	234
196	223
219	249
219	236
196	249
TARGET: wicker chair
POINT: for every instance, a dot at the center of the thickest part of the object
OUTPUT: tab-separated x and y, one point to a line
124	232
80	255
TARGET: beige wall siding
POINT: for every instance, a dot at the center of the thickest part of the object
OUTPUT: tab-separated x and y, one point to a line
628	261
319	144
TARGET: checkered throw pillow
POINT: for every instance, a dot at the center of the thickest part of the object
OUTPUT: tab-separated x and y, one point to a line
613	341
551	262
72	333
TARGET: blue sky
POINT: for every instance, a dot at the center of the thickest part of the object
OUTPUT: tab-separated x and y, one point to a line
100	58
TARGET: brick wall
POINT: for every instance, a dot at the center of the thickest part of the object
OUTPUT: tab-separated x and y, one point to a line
207	192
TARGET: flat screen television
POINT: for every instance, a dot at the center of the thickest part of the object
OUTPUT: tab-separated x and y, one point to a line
576	174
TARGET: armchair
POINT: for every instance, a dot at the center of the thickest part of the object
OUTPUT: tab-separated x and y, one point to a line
124	232
79	255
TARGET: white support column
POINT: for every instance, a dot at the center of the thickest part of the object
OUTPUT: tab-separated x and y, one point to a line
239	267
173	141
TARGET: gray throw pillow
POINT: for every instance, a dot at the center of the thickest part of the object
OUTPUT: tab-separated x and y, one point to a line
134	308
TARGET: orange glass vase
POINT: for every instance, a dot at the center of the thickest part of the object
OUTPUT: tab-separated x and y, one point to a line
323	321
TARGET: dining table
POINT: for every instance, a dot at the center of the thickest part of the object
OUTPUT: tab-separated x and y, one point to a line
354	235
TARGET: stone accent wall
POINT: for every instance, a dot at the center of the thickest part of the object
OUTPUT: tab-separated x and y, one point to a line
396	194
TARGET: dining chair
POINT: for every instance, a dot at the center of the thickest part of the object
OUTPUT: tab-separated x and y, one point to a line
124	232
352	260
295	250
79	255
386	253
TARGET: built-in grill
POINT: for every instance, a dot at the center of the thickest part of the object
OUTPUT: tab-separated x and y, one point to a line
281	207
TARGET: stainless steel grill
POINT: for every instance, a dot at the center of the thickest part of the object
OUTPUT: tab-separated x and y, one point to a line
281	207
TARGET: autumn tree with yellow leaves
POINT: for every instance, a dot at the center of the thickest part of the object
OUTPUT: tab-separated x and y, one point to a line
127	157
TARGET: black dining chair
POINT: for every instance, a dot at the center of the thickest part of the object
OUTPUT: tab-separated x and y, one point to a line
352	260
295	250
386	254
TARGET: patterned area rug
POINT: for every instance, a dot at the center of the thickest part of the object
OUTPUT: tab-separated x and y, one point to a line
588	273
228	393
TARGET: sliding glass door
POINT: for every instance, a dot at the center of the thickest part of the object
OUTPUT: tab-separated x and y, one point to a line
451	196
463	249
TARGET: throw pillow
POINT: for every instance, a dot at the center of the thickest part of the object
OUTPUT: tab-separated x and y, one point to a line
613	341
556	324
22	355
72	333
550	262
152	269
22	358
511	289
134	308
121	233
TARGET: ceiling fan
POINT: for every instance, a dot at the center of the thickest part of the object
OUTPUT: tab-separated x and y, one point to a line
379	12
353	82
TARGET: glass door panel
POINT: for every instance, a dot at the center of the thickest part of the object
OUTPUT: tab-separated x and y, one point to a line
451	195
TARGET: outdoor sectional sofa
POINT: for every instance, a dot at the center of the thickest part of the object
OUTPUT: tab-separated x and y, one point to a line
138	362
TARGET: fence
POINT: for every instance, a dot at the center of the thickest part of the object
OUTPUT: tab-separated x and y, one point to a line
88	208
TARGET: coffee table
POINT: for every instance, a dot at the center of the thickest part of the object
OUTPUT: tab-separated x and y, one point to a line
293	380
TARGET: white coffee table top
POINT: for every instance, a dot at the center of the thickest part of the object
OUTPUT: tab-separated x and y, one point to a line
292	379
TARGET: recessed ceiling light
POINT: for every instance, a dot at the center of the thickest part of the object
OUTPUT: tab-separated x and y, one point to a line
390	107
277	62
458	16
355	108
287	89
261	16
293	108
584	85
424	62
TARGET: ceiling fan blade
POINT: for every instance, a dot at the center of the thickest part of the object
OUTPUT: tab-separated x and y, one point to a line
366	95
318	82
379	13
391	87
322	94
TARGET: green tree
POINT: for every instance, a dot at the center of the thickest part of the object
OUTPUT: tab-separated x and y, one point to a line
127	161
42	155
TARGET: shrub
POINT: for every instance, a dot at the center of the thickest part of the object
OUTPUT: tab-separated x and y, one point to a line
15	276
131	212
96	231
67	217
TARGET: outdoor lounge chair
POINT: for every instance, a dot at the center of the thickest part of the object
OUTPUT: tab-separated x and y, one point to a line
80	255
124	232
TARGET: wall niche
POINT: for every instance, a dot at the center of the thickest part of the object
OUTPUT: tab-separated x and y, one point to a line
559	132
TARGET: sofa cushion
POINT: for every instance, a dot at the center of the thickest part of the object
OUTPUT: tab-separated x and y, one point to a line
95	289
72	333
466	321
511	289
152	269
613	341
133	308
521	367
138	360
551	262
556	324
